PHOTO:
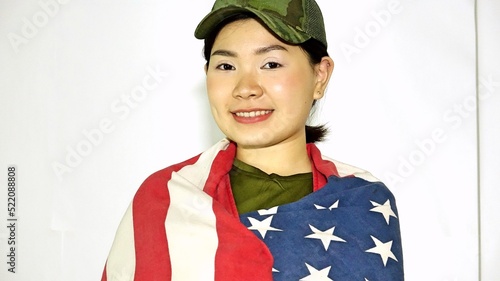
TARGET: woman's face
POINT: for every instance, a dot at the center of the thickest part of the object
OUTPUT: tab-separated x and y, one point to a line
260	89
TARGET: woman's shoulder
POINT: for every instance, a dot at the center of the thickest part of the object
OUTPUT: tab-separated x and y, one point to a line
197	168
346	170
330	166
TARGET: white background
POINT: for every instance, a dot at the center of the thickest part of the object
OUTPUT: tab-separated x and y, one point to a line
414	98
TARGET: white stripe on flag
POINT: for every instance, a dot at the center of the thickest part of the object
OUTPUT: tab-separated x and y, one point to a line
191	225
121	259
349	170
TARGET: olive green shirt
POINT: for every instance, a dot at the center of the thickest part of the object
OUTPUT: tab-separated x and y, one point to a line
253	189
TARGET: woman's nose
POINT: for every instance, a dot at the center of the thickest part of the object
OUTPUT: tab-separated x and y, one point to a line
248	87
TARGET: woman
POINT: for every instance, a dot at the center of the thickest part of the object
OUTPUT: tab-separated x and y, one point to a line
262	204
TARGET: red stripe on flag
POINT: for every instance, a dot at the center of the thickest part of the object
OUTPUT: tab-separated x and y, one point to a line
322	169
104	277
240	254
150	207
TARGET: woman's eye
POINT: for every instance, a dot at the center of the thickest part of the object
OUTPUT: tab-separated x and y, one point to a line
225	66
271	65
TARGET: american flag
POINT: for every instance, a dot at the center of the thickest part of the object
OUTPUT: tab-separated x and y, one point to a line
183	225
348	230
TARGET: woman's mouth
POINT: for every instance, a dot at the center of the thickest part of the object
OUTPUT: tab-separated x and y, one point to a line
252	116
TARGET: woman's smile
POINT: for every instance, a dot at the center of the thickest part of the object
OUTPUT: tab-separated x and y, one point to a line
251	116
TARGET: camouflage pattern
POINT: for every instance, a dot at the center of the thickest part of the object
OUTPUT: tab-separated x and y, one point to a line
294	21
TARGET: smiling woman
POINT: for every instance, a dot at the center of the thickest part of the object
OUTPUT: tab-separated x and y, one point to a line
252	72
263	203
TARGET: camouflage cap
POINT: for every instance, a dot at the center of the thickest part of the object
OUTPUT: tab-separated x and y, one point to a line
294	21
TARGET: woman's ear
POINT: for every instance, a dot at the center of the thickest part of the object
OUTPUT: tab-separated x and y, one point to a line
324	70
206	68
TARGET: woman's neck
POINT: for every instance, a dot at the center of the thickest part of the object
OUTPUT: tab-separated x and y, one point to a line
283	159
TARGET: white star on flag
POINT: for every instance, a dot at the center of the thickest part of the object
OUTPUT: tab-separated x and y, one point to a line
262	226
385	210
333	206
325	236
317	275
266	212
382	249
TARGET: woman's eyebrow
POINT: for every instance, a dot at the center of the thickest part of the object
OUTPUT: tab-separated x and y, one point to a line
270	48
224	53
259	51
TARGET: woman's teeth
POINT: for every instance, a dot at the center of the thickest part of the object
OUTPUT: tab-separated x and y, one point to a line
252	113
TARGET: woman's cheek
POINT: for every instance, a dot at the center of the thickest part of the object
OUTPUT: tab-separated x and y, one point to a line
279	85
215	90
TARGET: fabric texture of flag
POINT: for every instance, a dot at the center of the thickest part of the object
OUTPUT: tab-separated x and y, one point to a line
348	230
183	225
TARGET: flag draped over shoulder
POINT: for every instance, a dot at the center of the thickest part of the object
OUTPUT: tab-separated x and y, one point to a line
183	225
348	230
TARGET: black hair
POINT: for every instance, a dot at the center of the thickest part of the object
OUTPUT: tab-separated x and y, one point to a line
314	49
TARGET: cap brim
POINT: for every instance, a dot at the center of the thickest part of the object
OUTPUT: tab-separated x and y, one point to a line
277	26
